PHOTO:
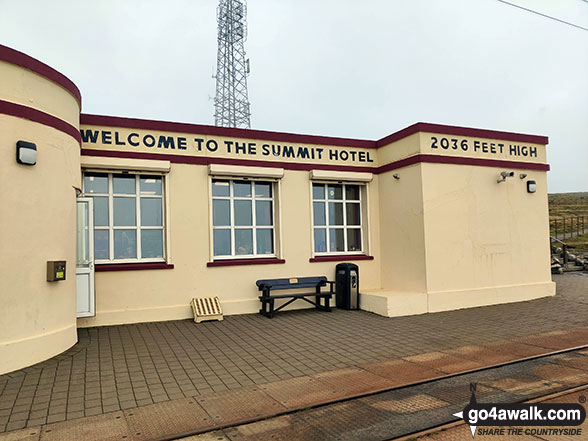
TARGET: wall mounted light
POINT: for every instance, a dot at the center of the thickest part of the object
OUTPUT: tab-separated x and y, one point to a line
396	176
26	153
531	186
523	175
505	174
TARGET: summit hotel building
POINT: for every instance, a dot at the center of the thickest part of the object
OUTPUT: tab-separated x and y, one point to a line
109	220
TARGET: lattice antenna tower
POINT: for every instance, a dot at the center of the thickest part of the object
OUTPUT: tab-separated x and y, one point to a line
231	103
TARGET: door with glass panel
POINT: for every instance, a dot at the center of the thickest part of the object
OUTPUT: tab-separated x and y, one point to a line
85	258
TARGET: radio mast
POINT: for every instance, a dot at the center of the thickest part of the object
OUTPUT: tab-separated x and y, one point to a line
231	104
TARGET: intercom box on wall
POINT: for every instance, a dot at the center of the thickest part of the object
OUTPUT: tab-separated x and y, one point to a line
55	270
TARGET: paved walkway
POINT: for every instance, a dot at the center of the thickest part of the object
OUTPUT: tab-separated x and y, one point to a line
122	367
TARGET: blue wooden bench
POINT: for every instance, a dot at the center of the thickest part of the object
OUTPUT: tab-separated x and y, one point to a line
321	299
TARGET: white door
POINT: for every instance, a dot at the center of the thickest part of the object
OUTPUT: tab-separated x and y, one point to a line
85	258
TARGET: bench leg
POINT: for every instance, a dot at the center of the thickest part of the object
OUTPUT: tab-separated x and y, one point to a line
264	308
319	305
267	307
271	311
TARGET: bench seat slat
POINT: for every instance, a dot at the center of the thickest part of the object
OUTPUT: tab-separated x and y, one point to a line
301	282
300	295
293	286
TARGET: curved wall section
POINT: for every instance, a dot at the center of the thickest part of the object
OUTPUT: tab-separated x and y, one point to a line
37	318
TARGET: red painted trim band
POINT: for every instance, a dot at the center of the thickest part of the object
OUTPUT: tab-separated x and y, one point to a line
340	258
234	262
205	160
166	126
437	159
20	111
17	58
416	159
103	267
461	131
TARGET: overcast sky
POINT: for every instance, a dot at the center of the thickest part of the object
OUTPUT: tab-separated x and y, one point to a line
358	69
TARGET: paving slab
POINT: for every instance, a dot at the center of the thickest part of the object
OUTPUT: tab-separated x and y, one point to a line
28	434
301	392
107	427
402	371
444	362
230	407
166	419
480	354
551	340
516	349
355	381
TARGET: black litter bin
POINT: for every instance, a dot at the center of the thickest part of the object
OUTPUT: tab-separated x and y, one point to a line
347	286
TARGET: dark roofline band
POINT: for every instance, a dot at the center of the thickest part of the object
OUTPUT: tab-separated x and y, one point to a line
166	126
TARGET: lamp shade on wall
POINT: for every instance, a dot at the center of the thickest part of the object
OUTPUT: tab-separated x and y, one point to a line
26	153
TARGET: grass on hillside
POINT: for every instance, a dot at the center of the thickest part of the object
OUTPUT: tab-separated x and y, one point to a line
568	204
580	244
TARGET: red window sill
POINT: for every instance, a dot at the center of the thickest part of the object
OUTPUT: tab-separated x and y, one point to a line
340	258
100	267
233	262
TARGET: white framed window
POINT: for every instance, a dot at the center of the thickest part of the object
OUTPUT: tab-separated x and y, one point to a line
243	218
128	216
337	218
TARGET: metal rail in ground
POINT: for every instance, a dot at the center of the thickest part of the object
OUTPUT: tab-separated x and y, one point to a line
428	405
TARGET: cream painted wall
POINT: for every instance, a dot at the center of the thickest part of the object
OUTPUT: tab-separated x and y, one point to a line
481	235
38	222
401	149
402	290
29	89
153	295
402	231
37	318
